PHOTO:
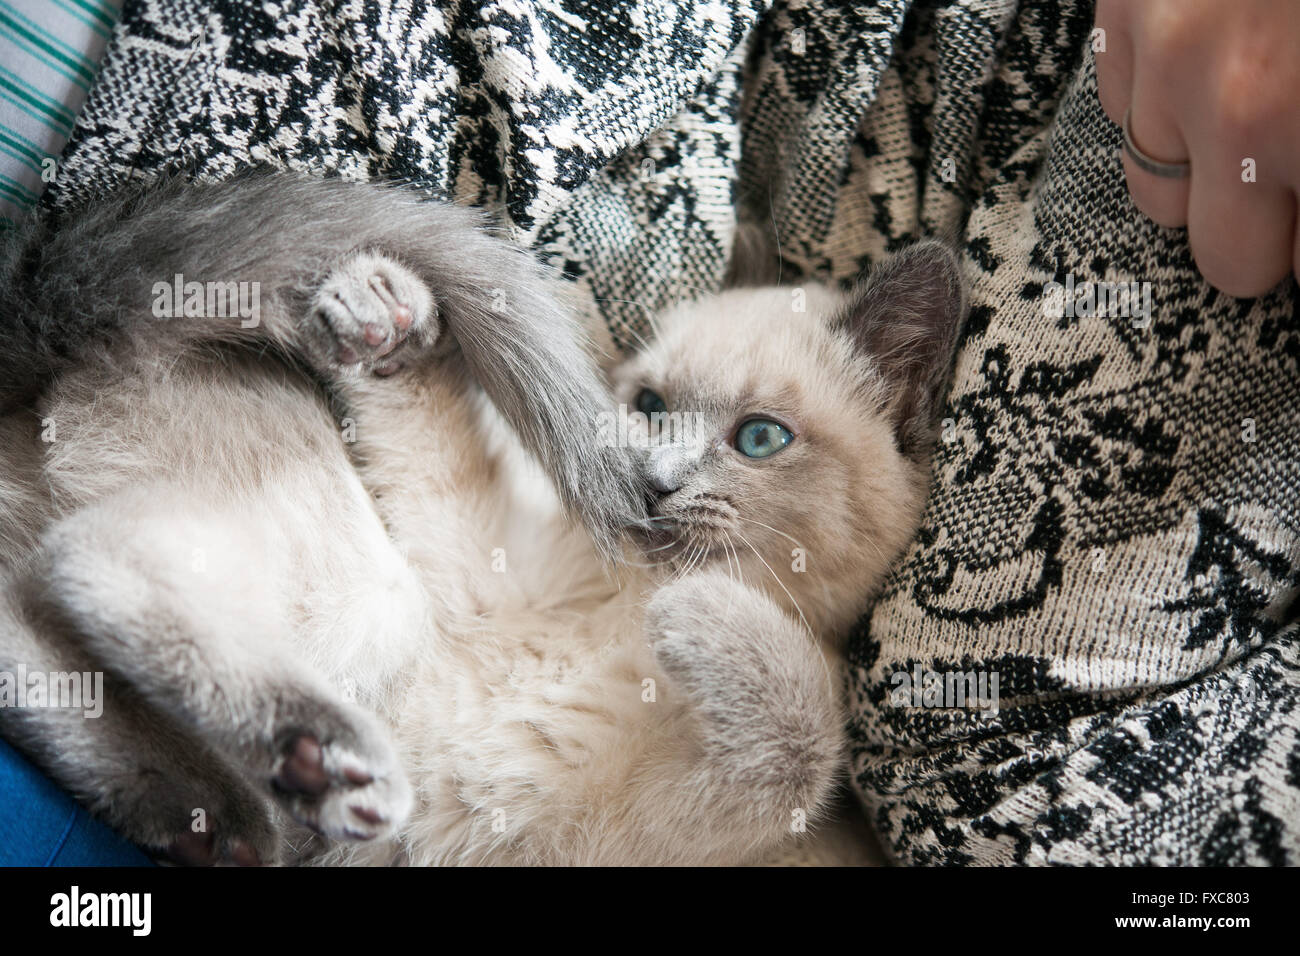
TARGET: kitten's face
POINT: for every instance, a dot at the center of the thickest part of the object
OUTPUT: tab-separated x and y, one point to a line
778	457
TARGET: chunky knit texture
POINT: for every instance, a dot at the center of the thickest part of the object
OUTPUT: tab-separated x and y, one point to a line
1114	529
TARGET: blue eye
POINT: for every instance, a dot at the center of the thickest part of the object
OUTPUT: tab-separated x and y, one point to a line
760	437
649	403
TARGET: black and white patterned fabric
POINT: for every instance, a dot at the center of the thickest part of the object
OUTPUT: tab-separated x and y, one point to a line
1114	529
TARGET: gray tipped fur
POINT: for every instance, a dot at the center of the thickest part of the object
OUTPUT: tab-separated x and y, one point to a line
85	292
906	315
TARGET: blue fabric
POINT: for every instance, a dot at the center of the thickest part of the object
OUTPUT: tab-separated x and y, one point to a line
40	825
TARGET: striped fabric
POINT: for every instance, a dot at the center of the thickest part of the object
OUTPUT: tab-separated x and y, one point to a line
49	51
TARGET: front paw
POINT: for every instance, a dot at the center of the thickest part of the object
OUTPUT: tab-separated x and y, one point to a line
765	695
372	314
713	635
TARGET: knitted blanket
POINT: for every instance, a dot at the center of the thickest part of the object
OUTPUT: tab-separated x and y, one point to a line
1111	557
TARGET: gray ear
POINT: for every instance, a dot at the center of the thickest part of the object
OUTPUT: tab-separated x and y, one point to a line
905	315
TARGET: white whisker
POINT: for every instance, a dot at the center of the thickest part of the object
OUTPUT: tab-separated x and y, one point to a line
791	538
780	259
778	580
740	575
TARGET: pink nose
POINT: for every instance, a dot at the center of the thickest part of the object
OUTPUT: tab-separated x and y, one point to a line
667	468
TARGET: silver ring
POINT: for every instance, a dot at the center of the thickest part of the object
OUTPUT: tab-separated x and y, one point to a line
1155	167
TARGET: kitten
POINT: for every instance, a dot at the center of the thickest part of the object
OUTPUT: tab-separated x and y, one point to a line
304	597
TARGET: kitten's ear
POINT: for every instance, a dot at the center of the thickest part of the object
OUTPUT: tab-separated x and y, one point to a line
905	315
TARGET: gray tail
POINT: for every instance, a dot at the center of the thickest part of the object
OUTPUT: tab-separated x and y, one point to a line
81	288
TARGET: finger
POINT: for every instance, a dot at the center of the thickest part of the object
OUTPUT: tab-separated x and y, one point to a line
1154	132
1115	62
1241	232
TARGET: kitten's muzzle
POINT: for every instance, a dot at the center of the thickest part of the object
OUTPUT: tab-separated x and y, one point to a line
666	469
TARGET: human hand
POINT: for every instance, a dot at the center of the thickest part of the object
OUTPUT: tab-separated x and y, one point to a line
1215	84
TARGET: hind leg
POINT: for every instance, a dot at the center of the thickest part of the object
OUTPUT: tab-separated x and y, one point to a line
194	613
132	767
